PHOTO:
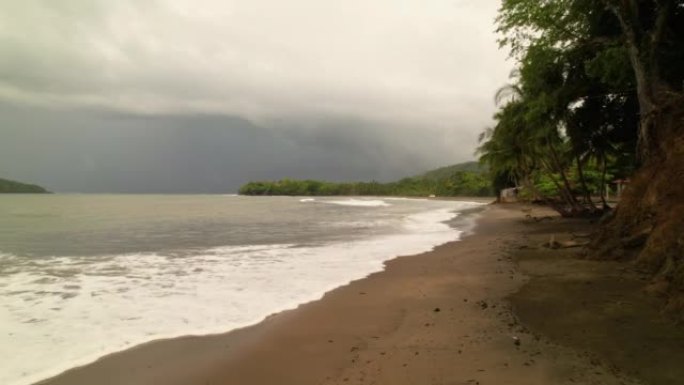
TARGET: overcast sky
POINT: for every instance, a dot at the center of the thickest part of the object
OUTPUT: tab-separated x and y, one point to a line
203	95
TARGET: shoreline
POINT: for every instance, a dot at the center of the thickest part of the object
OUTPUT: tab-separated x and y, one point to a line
461	221
440	316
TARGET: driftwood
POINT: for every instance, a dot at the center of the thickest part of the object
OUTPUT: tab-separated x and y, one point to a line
554	244
538	219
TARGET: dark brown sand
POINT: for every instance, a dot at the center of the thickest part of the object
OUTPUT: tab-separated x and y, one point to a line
598	308
442	317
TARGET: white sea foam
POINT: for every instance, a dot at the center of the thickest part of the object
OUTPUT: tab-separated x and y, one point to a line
360	202
305	200
405	199
67	311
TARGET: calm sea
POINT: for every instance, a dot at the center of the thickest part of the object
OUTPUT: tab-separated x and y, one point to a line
82	276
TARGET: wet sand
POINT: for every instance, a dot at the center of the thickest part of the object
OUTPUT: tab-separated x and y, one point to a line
442	317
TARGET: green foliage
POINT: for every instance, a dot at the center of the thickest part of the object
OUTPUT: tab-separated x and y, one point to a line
465	179
12	187
572	120
612	67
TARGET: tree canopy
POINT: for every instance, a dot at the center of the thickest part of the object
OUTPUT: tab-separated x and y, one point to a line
466	179
573	107
598	95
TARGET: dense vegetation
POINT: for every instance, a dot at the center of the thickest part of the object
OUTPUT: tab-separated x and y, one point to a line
597	92
12	187
466	179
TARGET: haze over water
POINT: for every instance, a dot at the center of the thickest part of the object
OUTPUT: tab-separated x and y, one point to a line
86	275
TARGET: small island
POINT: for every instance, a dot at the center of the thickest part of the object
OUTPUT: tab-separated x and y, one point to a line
13	187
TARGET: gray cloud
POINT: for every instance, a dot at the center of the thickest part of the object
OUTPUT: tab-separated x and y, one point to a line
98	151
339	89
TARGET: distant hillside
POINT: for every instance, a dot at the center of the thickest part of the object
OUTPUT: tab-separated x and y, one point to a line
465	179
448	171
12	187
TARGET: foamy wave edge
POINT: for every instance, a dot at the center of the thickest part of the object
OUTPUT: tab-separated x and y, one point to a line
431	223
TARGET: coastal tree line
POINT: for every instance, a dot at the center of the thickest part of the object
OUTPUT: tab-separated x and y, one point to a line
457	183
598	93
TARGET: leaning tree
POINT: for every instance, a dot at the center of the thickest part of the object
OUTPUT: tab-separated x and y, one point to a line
647	35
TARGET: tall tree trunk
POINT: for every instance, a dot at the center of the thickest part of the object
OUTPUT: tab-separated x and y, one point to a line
642	47
583	181
572	201
649	221
603	183
549	202
564	195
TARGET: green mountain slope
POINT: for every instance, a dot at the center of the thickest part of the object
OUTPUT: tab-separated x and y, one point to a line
448	171
13	187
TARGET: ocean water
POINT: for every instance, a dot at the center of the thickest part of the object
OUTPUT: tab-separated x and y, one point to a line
82	276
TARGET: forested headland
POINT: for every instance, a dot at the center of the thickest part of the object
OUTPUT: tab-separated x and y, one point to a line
465	179
13	187
598	93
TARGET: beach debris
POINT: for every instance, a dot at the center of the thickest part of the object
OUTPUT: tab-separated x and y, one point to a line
516	340
554	244
532	218
483	304
569	244
437	310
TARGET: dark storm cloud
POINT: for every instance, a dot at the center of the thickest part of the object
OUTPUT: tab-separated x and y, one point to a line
181	96
105	152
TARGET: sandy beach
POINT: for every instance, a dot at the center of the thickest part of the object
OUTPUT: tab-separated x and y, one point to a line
442	317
